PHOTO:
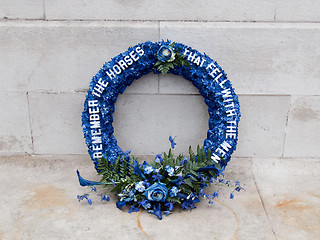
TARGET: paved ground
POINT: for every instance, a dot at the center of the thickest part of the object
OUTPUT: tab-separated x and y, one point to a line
38	201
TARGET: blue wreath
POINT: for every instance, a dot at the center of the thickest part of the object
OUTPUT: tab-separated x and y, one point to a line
162	183
139	60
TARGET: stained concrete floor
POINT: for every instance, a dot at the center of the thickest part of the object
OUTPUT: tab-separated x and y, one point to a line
38	201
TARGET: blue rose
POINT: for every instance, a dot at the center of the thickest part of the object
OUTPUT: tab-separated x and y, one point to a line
157	192
166	53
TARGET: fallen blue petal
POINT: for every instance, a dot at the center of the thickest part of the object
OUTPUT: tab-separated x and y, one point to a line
231	195
83	182
105	198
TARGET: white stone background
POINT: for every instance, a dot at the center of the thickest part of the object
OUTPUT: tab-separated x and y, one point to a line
50	49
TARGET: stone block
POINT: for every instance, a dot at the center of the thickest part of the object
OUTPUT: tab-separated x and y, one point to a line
262	126
303	136
15	125
206	10
63	56
56	123
143	123
303	11
259	58
26	9
289	189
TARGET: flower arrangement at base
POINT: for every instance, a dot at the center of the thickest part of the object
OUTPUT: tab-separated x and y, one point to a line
162	184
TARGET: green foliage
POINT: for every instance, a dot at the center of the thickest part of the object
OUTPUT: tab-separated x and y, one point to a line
180	60
188	175
117	171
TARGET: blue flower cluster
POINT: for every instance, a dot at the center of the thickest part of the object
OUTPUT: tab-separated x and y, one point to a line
198	74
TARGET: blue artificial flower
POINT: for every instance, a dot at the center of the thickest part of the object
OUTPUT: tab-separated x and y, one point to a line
131	194
169	170
121	204
185	160
137	170
238	187
133	209
93	189
105	198
166	54
202	177
157	192
146	183
89	201
231	195
148	169
170	206
167	212
185	205
172	141
158	177
158	158
145	204
173	191
157	210
140	186
188	204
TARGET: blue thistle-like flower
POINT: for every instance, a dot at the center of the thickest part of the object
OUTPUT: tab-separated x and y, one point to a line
158	158
172	142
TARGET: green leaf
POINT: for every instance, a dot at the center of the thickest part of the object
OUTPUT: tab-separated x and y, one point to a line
157	63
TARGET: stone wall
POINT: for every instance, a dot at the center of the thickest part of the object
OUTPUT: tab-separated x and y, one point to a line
50	49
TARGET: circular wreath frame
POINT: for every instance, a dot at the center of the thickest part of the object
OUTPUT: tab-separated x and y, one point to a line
119	73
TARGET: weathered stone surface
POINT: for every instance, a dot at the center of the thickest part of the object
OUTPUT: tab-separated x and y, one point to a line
259	58
63	56
205	10
262	125
56	123
290	192
26	9
40	203
15	125
303	138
